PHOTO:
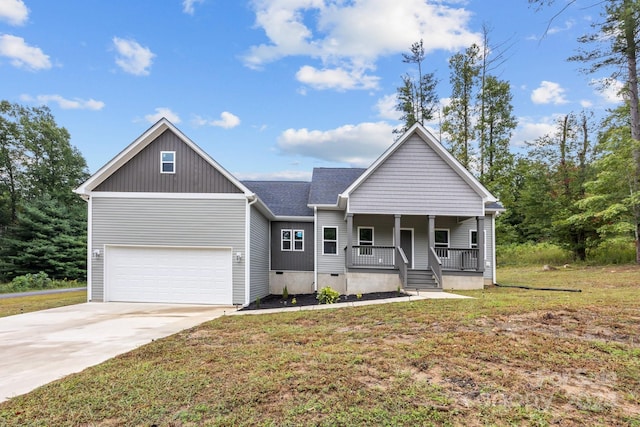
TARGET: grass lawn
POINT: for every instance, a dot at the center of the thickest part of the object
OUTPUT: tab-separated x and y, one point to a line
11	306
507	357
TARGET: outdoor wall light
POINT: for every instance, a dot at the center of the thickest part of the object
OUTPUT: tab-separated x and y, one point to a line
96	253
238	256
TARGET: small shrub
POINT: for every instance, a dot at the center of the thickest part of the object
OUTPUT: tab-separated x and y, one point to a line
328	296
258	302
30	282
359	296
285	293
294	301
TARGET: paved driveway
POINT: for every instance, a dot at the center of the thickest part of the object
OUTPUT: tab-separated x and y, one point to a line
43	346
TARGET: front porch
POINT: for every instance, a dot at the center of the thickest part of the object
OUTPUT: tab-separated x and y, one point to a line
425	257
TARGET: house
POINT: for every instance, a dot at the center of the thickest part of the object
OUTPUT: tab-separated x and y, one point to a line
167	223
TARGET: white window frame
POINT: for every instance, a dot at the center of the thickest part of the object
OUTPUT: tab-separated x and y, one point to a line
282	239
292	240
475	245
366	251
329	240
293	248
435	244
164	162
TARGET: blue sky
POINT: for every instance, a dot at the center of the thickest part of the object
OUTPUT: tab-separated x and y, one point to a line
273	88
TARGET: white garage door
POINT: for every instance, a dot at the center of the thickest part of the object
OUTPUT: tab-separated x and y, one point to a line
171	275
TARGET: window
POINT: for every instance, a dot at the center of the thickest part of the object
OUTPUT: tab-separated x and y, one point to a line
167	162
473	241
442	243
330	240
365	238
292	240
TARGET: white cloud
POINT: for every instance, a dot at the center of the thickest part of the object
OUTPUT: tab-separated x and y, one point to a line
548	93
22	55
333	33
358	145
585	103
336	78
163	112
66	104
274	176
132	57
14	12
188	6
567	26
529	130
227	120
610	90
386	107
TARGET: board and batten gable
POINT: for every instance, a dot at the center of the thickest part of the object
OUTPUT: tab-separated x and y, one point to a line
291	260
193	174
168	222
259	258
415	180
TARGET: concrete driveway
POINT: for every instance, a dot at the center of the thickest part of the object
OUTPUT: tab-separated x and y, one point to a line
43	346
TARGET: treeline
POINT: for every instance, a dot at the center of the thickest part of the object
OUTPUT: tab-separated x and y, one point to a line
42	222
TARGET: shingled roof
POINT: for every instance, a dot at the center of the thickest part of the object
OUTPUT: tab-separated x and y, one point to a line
328	183
284	198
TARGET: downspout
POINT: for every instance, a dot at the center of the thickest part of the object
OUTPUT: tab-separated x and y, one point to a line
247	251
315	249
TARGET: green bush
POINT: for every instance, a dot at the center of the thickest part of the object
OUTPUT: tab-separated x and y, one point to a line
285	293
532	254
30	282
613	251
328	296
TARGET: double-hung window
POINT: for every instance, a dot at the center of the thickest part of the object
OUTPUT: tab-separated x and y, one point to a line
292	240
442	242
330	240
365	238
167	162
473	241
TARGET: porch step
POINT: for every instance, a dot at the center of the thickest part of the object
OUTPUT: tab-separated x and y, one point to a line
422	280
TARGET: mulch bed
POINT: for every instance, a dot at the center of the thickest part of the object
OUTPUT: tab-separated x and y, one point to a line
276	301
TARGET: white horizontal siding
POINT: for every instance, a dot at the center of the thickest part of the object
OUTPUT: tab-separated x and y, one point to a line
168	222
259	259
415	180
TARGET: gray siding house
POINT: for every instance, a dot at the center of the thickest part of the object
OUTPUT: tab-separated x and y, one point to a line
167	223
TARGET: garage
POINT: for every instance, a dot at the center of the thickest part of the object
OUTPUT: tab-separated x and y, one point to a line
168	274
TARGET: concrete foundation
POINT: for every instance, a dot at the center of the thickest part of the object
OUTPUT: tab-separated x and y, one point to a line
297	282
363	283
462	282
337	282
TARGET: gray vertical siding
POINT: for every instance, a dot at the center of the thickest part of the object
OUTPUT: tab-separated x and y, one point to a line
328	264
415	180
193	174
292	260
168	222
259	258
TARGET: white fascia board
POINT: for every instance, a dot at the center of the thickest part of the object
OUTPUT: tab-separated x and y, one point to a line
293	218
139	144
149	195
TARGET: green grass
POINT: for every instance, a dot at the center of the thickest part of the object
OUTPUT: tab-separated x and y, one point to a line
506	357
19	305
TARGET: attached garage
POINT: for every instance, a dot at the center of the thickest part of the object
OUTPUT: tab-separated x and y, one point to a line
161	274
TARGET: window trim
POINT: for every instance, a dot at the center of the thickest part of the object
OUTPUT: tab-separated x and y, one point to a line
292	240
366	251
325	240
163	162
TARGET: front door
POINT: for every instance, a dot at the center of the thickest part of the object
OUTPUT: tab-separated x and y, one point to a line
406	243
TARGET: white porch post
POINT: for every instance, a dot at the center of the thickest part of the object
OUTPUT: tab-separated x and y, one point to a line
480	234
349	240
396	229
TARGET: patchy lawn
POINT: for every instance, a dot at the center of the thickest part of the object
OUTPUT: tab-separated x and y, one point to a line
18	305
507	357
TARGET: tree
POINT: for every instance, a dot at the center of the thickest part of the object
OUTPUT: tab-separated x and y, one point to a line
496	125
417	98
458	115
11	158
614	45
48	236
